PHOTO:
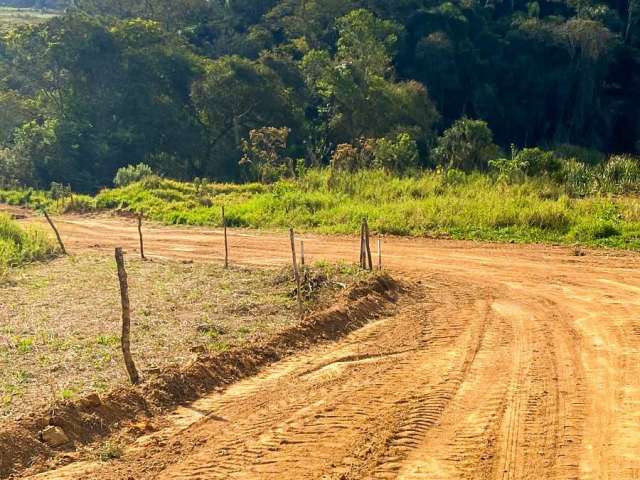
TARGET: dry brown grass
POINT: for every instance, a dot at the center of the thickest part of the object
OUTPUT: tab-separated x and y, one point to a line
60	322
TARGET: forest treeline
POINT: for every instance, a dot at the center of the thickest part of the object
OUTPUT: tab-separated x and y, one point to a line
222	88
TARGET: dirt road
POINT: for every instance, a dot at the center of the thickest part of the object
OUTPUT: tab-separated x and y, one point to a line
508	362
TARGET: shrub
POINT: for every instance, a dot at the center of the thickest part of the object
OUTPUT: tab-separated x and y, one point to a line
131	174
525	162
263	155
351	158
510	170
397	155
467	145
538	161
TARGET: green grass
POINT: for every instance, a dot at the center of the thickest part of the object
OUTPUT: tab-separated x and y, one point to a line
19	246
462	206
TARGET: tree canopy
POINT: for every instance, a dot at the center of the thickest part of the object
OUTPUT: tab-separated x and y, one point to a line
180	84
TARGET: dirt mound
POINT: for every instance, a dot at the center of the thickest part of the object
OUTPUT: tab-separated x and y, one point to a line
91	418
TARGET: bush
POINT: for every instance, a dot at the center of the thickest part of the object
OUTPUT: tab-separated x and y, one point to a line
351	158
394	155
264	156
510	170
131	174
397	155
539	162
467	145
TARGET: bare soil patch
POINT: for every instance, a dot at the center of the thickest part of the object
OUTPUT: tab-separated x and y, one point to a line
60	322
91	417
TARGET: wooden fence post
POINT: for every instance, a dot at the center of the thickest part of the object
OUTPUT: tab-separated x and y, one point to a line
140	235
55	230
302	253
362	247
126	319
296	274
226	243
369	260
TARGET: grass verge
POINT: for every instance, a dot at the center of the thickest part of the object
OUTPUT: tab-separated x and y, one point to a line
463	206
20	245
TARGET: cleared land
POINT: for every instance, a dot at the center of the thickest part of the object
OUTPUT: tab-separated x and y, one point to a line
60	322
12	17
503	362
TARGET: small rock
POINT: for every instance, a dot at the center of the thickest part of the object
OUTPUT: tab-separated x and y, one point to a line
199	349
54	436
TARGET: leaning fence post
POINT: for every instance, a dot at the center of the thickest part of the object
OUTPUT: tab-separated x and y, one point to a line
140	235
126	319
368	259
362	247
296	274
226	244
55	230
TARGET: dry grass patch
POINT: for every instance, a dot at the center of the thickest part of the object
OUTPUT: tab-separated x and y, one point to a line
60	322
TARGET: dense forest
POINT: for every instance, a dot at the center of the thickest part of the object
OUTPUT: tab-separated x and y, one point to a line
198	88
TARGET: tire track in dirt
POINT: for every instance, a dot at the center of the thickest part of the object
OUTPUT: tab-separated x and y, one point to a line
510	362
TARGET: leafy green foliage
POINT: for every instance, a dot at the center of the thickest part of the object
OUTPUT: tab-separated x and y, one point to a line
263	155
467	145
180	84
396	155
131	174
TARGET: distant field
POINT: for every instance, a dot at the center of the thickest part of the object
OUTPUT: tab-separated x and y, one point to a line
10	16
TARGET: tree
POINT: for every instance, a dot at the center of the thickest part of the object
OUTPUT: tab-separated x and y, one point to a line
107	95
366	42
356	87
235	96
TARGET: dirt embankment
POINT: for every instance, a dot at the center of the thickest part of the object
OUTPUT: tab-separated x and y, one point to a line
93	417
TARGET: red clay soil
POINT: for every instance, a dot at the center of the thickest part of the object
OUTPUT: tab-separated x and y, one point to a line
505	362
93	417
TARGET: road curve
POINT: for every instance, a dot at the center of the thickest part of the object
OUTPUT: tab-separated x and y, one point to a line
506	362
